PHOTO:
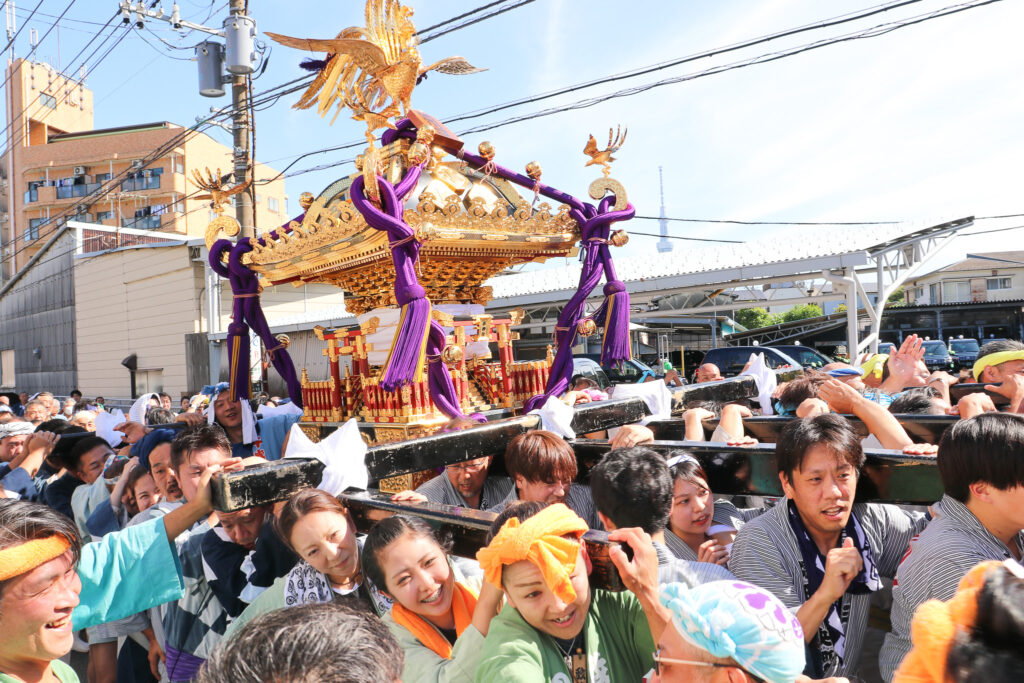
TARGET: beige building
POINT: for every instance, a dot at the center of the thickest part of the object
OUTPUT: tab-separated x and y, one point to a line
56	163
990	276
151	300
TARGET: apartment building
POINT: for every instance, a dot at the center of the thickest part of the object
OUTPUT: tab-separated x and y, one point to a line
55	162
989	276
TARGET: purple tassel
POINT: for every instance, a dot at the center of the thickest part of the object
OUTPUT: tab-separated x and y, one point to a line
615	344
238	345
314	64
405	361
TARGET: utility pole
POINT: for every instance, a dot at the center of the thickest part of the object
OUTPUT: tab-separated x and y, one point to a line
240	132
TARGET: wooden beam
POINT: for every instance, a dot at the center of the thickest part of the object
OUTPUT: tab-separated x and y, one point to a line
264	484
888	476
961	389
925	428
469	529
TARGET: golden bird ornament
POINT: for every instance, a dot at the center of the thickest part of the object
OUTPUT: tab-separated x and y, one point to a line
215	185
616	138
371	71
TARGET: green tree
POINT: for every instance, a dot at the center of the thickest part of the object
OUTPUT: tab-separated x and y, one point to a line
841	308
896	299
801	312
753	318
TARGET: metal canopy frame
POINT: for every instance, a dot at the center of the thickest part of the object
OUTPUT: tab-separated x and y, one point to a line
891	261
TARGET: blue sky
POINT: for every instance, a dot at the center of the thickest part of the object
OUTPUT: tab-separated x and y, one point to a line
920	125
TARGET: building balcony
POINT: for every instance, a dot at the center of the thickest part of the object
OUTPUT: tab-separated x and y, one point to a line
142	222
137	184
71	191
31	195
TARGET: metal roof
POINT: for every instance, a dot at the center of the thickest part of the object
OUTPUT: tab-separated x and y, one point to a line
809	252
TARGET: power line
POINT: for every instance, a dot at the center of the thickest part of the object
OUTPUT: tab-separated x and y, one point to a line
23	25
732	222
689	239
873	32
825	23
475	21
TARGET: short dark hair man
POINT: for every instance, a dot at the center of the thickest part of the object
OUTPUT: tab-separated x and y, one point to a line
981	461
632	487
997	360
543	467
816	550
317	642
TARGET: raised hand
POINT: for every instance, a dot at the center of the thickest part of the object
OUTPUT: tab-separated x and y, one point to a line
841	567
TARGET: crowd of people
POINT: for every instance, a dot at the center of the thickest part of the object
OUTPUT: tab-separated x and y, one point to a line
109	542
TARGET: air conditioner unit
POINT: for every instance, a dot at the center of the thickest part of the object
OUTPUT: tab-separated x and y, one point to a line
79	170
81	208
137	163
5	217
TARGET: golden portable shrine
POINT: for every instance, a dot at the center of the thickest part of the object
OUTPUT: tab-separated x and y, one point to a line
411	237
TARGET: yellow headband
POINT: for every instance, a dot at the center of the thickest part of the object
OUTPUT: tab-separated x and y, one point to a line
18	559
874	365
997	358
540	540
935	625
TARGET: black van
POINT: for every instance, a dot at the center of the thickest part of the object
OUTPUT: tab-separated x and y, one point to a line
731	359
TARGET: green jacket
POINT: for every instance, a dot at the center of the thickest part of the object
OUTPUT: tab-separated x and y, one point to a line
619	645
63	672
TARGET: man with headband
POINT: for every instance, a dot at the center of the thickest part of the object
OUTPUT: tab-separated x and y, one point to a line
50	585
554	627
248	436
21	456
1002	362
728	631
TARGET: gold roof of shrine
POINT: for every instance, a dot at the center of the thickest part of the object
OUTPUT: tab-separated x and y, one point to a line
471	226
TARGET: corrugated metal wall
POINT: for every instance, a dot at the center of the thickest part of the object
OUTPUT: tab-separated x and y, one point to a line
37	320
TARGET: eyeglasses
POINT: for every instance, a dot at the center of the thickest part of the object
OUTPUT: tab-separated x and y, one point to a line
468	467
659	660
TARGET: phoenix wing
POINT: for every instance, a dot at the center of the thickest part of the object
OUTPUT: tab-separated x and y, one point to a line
591	148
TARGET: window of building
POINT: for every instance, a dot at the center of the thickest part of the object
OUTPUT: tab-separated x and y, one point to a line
48	100
32	231
998	283
104	215
102	177
272	204
7	368
955	291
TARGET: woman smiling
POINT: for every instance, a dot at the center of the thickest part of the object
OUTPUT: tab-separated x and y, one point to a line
439	617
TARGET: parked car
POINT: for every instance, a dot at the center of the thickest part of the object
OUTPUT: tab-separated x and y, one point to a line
731	359
936	356
964	352
590	369
806	356
628	372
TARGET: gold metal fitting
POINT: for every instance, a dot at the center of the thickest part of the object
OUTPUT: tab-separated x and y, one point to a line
284	339
618	238
425	134
586	327
360	158
486	150
418	153
306	200
451	355
534	170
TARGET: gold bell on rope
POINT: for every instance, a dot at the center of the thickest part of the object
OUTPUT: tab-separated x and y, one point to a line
586	327
534	170
451	355
418	153
618	238
486	150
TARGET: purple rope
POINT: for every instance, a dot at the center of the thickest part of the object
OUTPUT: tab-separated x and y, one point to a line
247	313
408	349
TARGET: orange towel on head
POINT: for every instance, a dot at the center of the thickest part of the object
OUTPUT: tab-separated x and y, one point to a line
24	557
935	625
463	604
540	540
